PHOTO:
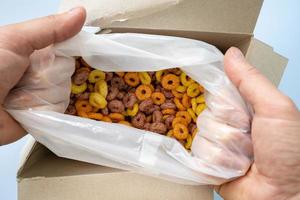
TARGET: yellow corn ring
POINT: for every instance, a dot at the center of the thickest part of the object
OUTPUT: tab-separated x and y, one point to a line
193	115
186	102
96	75
132	112
189	141
200	108
194	104
181	89
200	99
145	78
101	87
179	104
193	90
158	75
194	133
184	80
170	133
77	89
97	100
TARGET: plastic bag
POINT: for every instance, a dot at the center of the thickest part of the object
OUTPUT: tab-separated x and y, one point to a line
221	149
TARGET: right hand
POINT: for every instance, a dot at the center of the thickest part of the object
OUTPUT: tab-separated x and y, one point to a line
275	173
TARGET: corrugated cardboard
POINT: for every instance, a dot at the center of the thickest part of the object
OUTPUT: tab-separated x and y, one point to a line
223	23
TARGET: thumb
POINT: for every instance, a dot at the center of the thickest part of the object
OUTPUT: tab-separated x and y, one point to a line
253	86
39	33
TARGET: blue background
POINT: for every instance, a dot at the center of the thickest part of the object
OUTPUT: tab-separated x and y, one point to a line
278	25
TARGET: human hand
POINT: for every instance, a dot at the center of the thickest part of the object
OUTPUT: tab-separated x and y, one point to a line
275	173
17	43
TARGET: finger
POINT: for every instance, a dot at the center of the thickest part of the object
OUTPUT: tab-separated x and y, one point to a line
39	33
10	129
253	86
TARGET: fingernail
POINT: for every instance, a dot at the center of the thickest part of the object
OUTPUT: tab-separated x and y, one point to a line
236	54
74	11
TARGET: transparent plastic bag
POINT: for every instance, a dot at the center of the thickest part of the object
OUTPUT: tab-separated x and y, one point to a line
221	150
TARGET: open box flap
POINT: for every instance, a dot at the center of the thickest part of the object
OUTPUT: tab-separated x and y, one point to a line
195	15
270	63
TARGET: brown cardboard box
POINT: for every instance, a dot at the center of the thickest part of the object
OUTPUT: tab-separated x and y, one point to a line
223	23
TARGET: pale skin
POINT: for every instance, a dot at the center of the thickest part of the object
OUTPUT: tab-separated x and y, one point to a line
275	173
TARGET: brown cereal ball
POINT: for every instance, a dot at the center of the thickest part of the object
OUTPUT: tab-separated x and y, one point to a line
116	106
138	121
158	127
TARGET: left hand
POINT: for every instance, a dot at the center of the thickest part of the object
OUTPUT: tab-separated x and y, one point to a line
17	43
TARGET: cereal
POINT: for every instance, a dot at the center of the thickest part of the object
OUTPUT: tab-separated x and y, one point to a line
186	102
158	98
97	100
129	100
108	76
166	102
143	92
181	89
106	119
132	112
120	74
105	111
200	99
146	105
138	121
147	126
96	116
112	93
200	108
83	105
77	89
132	79
179	104
192	114
170	81
168	121
83	96
168	111
157	116
96	75
81	76
180	120
158	127
145	78
168	105
185	80
116	117
180	131
116	106
71	110
125	123
177	94
158	75
101	87
193	90
121	95
184	115
117	82
189	141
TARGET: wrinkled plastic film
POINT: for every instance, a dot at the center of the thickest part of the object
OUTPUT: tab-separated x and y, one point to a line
104	12
221	150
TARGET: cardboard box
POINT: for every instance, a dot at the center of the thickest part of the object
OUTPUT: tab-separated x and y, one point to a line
223	23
